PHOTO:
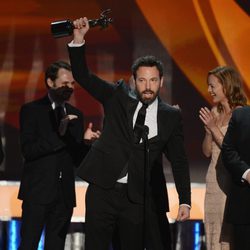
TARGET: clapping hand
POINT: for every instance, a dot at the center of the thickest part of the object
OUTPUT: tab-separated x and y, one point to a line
90	135
208	119
64	123
176	106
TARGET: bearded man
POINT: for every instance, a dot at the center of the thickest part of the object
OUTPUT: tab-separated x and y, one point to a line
114	166
51	136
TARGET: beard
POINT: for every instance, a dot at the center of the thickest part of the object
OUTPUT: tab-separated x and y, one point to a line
61	94
147	100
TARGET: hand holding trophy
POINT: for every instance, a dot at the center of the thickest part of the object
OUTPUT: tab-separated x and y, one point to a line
66	27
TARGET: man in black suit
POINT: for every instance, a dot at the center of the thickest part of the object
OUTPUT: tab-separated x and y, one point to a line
1	150
236	158
51	135
114	167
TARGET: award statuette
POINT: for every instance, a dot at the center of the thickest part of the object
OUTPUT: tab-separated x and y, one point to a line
66	27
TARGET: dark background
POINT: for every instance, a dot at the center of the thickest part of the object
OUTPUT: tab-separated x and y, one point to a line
190	37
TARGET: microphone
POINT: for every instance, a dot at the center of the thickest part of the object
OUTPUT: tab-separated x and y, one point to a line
66	27
145	132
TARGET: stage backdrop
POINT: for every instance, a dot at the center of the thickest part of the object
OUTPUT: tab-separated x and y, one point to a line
190	37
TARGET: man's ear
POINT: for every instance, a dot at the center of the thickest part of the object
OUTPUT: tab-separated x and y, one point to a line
50	83
162	80
133	80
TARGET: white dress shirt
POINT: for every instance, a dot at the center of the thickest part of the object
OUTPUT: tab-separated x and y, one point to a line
150	121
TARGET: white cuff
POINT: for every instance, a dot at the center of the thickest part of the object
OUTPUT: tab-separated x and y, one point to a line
72	44
244	176
186	205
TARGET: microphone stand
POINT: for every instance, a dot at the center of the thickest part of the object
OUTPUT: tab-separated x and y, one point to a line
146	182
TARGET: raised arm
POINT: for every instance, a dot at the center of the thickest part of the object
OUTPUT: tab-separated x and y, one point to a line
98	88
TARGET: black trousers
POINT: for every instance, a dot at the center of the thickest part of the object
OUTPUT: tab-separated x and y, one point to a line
54	217
241	235
110	213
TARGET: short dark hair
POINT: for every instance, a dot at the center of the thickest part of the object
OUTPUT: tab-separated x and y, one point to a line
147	61
52	71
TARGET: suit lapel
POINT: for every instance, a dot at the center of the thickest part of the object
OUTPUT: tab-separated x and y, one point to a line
46	113
162	119
131	107
49	110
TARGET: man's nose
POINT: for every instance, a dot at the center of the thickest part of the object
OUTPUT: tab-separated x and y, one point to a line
70	85
148	84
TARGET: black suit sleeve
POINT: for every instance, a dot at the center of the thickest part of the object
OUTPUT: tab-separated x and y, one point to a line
230	151
74	140
98	88
35	144
1	150
175	153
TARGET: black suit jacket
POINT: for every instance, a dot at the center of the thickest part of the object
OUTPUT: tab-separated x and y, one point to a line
46	153
236	158
115	148
1	150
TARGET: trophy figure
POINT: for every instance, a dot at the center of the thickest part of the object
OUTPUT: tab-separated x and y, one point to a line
66	27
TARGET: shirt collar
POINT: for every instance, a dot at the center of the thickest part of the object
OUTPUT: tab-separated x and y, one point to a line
54	104
151	105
